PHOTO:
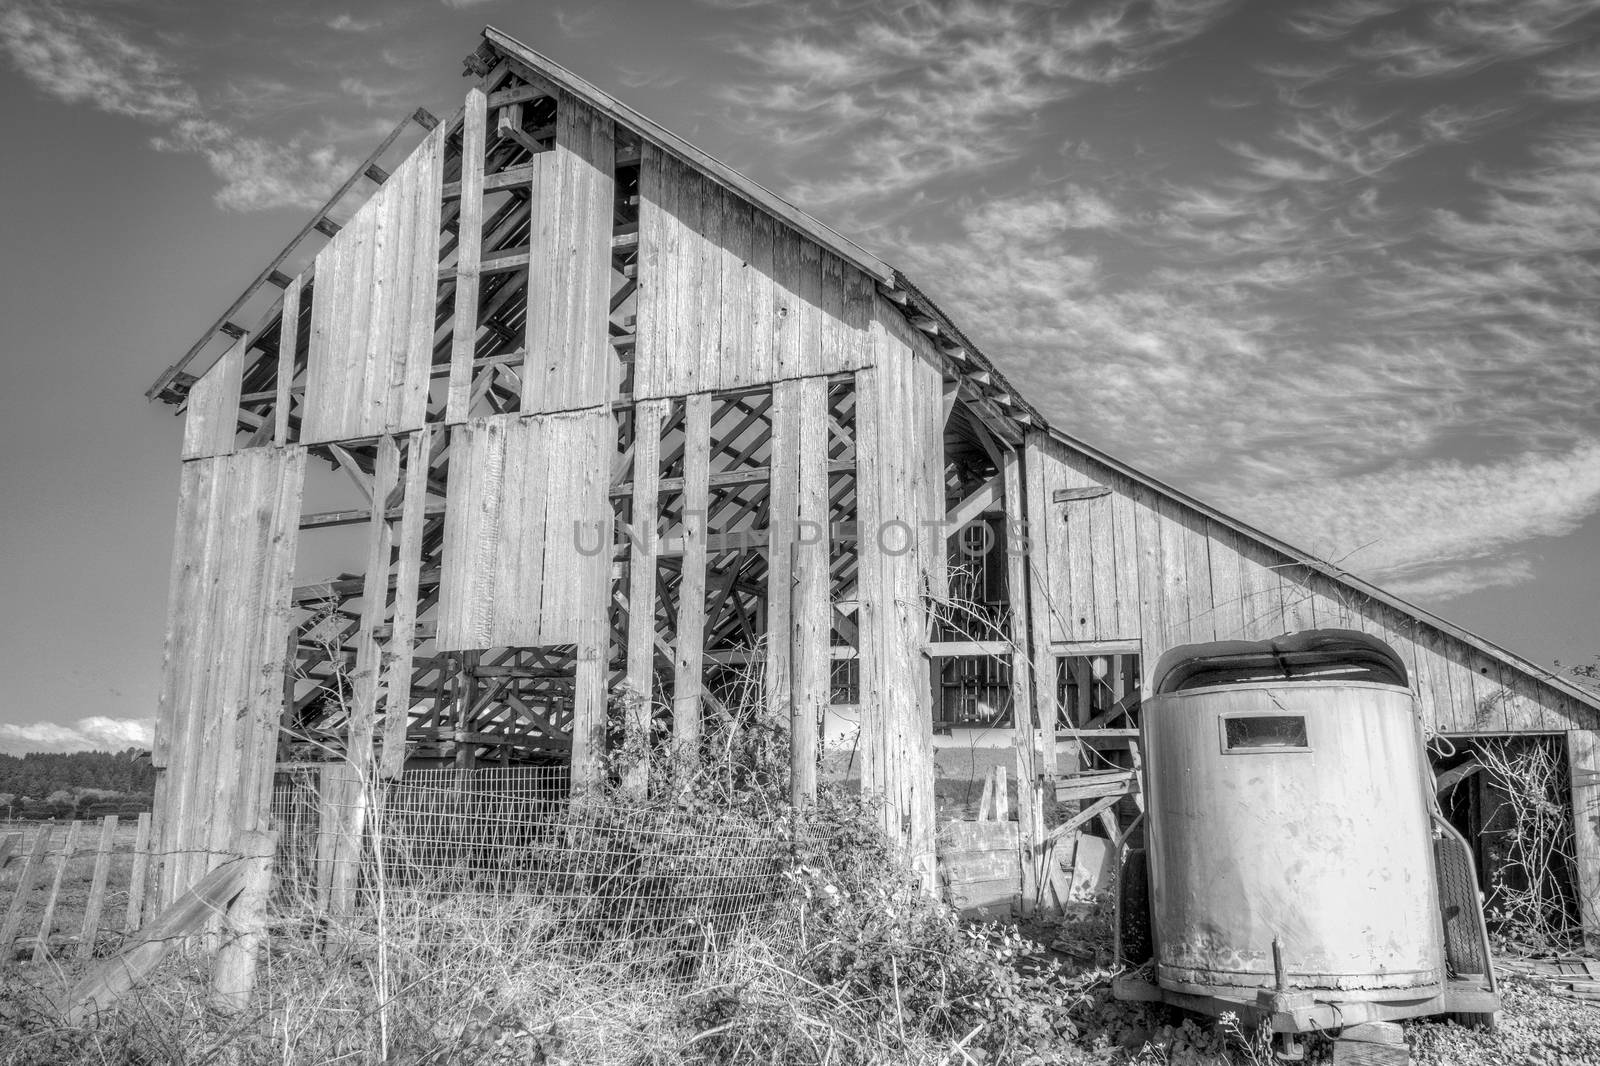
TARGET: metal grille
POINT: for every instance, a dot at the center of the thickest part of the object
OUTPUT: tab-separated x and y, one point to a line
593	876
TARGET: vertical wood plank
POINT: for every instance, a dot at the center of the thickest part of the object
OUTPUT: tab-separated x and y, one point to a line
688	665
1032	684
708	283
782	506
69	846
1583	761
649	416
212	423
738	219
469	257
1227	583
27	881
139	876
408	568
811	607
375	597
288	353
97	887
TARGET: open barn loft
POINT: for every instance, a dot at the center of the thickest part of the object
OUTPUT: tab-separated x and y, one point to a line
593	430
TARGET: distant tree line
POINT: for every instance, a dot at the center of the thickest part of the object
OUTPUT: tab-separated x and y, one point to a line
79	784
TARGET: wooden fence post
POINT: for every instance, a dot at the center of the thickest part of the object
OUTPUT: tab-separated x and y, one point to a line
97	888
139	879
41	943
19	898
233	973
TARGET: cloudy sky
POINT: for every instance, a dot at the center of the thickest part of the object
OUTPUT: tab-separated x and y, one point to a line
1333	266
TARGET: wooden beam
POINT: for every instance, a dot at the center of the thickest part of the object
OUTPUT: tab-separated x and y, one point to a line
1583	762
648	417
811	610
469	253
688	663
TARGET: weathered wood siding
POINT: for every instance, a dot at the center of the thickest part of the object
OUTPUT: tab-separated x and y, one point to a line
222	678
900	482
527	495
569	275
212	419
372	313
1136	564
729	296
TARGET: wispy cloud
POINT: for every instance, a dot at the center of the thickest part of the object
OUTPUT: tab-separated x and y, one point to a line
917	95
82	58
347	23
95	733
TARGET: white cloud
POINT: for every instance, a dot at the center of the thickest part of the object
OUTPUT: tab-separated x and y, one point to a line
80	58
94	733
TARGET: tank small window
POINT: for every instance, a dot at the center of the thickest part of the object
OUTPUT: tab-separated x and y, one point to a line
1265	732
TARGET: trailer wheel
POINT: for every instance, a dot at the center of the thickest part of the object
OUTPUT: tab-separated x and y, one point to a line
1133	910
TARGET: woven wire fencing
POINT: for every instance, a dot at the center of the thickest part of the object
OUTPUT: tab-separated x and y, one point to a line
470	852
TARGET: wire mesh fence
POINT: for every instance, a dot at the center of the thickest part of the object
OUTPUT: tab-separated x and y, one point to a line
465	850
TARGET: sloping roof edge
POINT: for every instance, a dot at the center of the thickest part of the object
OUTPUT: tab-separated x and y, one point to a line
719	171
1330	571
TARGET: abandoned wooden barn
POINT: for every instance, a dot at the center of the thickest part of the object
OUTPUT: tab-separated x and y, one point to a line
585	429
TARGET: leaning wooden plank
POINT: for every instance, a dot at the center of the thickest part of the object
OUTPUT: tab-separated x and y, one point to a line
139	876
102	985
26	882
41	944
212	422
469	252
97	887
688	662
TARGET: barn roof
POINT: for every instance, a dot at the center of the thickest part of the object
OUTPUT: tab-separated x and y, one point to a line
998	396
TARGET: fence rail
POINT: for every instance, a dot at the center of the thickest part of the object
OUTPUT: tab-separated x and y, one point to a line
57	882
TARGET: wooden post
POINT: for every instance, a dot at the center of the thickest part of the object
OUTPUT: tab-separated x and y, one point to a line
233	972
41	944
689	650
139	877
1030	823
810	607
648	418
25	883
340	823
97	888
1583	760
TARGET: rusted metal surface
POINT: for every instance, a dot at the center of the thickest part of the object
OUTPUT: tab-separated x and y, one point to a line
1321	841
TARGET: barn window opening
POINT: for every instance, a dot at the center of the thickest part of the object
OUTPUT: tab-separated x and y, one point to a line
1097	689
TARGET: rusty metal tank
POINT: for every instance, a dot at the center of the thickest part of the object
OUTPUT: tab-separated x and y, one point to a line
1290	843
